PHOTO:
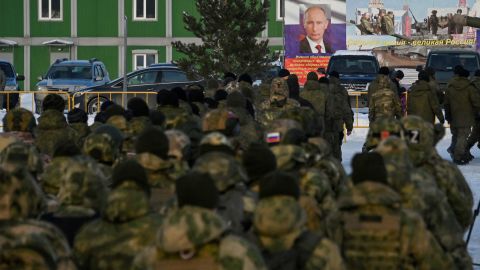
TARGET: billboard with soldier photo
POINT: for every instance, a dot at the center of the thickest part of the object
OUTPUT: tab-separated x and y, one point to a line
401	33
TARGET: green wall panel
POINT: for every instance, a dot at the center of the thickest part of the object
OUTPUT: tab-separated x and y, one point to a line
39	63
160	49
11	18
101	20
275	28
178	7
146	28
107	54
49	28
18	63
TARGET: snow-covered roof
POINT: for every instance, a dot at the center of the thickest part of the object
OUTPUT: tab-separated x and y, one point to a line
57	42
6	42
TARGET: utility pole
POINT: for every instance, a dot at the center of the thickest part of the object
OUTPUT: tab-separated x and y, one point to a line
125	36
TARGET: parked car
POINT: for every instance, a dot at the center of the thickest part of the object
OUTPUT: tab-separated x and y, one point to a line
151	79
70	76
357	69
11	83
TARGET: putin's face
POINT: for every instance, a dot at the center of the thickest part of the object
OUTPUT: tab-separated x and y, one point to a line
315	24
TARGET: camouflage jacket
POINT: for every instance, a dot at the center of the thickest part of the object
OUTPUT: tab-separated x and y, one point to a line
271	111
462	101
126	227
82	130
338	110
378	234
279	221
53	129
423	102
316	94
194	236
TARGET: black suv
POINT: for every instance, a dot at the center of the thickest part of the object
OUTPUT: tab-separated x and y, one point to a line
151	79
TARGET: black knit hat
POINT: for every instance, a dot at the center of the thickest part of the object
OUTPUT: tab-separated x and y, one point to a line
245	78
464	73
111	131
423	76
53	102
77	116
399	74
138	107
236	100
258	161
114	110
153	141
105	105
368	167
283	73
278	183
384	71
196	96
181	94
157	118
220	95
312	76
130	170
197	189
230	75
167	98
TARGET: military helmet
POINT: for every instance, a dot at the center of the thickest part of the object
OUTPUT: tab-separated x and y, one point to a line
224	169
21	155
419	136
289	156
179	144
19	119
278	89
221	120
381	129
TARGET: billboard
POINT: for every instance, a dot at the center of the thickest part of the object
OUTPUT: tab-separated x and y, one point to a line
399	33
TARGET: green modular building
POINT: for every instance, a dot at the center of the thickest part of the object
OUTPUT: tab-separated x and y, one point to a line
34	33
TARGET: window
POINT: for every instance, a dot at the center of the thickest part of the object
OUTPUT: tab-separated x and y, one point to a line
280	10
143	60
169	76
98	72
50	10
149	77
145	10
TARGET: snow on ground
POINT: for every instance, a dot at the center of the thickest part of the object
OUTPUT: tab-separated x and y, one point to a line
354	144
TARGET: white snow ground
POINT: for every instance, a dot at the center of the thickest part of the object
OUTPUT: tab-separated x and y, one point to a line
354	144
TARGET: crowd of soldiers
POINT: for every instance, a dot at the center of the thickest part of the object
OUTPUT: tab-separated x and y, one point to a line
230	177
381	24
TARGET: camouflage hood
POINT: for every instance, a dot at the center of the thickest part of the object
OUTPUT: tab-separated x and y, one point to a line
188	228
51	120
125	203
397	161
289	156
81	128
459	83
278	221
369	194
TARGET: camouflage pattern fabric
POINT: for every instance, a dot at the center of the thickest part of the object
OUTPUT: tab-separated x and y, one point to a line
82	130
279	221
289	156
21	197
30	244
216	120
53	130
423	101
317	95
305	116
381	82
174	117
192	238
139	124
161	176
277	103
21	155
19	119
223	168
179	144
101	147
125	230
378	234
380	130
384	103
282	126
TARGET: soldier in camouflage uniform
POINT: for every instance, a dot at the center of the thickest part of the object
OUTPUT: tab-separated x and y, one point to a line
236	203
380	130
226	122
448	177
377	232
383	100
127	224
53	130
179	145
277	103
21	155
152	149
317	95
20	123
339	113
420	193
474	137
18	229
422	101
279	229
316	198
194	236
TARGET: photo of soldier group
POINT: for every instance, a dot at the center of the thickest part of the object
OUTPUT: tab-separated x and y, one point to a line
444	19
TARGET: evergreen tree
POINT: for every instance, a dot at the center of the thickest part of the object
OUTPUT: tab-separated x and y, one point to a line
228	29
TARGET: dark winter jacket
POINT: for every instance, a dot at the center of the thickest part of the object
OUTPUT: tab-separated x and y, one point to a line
423	102
461	102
